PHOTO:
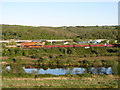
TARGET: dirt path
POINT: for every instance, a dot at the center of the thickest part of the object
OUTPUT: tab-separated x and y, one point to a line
43	78
19	57
101	57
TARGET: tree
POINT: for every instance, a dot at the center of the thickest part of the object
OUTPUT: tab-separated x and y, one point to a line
47	43
103	42
3	45
112	42
12	52
76	39
11	43
25	53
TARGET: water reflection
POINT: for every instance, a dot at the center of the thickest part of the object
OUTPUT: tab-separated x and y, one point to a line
69	70
16	68
8	67
109	70
100	70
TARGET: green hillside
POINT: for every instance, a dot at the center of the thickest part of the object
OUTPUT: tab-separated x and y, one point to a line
82	32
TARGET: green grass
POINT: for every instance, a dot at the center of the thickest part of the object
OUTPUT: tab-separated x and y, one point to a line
63	82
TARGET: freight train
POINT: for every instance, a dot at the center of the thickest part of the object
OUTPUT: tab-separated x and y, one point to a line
53	46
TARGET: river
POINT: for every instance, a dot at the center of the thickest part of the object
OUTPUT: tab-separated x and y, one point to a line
62	71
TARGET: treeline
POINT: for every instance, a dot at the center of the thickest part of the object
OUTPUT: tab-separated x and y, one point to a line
82	32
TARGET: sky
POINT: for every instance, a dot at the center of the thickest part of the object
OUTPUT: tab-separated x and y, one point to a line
59	13
59	0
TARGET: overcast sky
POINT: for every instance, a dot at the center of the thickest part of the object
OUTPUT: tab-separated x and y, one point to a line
59	13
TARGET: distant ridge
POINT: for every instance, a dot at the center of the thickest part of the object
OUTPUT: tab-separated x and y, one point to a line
64	32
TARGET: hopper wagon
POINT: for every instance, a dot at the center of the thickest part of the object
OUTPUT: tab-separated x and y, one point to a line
32	44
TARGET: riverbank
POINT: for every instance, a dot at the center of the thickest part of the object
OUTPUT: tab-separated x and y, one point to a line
75	81
17	78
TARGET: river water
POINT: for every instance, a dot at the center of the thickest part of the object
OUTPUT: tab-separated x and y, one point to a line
68	70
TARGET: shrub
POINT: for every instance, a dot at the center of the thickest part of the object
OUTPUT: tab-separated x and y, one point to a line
85	75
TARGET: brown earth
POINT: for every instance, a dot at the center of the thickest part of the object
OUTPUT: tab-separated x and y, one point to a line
101	57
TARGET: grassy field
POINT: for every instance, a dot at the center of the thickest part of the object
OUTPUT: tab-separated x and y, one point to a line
95	81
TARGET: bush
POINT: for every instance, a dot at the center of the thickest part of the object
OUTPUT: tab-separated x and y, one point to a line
85	75
46	75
